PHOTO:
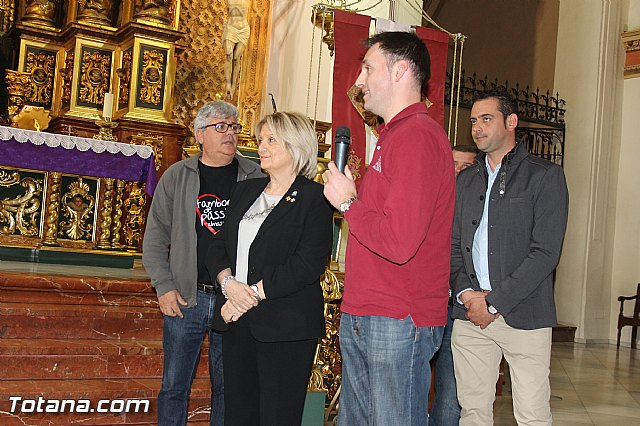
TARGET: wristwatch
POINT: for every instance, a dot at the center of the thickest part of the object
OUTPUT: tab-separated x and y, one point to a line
254	287
345	205
492	310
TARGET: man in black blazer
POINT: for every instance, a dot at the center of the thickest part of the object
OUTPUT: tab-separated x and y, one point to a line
509	225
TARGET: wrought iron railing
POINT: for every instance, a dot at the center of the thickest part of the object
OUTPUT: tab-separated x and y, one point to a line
541	115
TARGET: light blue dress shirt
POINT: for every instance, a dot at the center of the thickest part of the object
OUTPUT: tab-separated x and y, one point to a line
480	250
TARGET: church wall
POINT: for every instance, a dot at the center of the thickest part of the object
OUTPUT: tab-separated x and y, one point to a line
544	52
589	76
626	248
633	17
511	43
290	62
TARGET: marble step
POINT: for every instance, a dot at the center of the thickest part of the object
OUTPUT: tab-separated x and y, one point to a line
89	327
82	347
95	390
72	310
61	367
30	281
76	297
36	288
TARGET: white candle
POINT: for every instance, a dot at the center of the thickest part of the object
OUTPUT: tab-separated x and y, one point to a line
107	109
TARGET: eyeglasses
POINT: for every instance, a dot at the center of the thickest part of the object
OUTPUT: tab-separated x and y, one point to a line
222	127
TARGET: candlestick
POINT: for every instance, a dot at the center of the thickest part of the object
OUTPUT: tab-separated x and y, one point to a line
107	109
106	129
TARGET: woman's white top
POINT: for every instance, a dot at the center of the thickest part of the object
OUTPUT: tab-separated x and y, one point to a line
248	229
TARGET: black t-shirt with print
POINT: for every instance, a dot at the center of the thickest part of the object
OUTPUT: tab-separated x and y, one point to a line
215	188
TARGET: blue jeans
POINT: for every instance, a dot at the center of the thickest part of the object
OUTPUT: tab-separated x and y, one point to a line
445	410
181	342
385	370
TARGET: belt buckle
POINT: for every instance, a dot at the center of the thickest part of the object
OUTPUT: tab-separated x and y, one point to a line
207	288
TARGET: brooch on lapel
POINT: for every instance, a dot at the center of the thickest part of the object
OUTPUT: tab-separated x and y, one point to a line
291	198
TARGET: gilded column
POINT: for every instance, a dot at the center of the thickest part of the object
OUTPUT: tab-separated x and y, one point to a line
117	216
134	225
105	214
53	205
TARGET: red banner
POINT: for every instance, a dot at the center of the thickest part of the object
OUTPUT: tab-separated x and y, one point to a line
350	30
438	44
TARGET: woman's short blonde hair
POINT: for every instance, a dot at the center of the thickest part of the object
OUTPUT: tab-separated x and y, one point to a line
294	131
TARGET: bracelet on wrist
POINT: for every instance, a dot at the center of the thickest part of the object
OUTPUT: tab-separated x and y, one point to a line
223	285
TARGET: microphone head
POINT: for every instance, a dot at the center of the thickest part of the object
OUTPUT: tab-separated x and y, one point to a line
343	134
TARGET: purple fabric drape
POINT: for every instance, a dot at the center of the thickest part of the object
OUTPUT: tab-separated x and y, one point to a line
73	161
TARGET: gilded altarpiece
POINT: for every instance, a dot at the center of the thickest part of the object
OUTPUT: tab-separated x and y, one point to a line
200	74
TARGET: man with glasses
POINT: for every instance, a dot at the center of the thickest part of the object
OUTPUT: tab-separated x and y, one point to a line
188	209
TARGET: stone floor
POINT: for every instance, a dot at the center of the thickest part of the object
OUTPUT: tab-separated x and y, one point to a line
592	384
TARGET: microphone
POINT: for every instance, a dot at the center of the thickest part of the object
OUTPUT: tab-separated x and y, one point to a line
341	145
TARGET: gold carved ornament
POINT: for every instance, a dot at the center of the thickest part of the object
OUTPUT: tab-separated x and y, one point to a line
7	8
22	211
40	11
151	86
41	67
154	141
134	205
353	161
67	77
154	10
19	88
124	74
326	375
95	11
77	214
94	78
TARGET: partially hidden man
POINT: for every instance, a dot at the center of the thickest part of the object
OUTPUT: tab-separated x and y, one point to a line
187	211
509	225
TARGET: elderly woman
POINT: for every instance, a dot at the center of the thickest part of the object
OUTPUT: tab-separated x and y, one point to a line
268	259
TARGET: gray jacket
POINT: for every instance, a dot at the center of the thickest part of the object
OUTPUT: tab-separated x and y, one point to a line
527	223
169	249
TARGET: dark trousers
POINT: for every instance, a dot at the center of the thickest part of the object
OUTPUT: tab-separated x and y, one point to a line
445	410
265	383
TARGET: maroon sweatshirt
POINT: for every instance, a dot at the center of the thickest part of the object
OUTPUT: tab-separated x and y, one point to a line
398	252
